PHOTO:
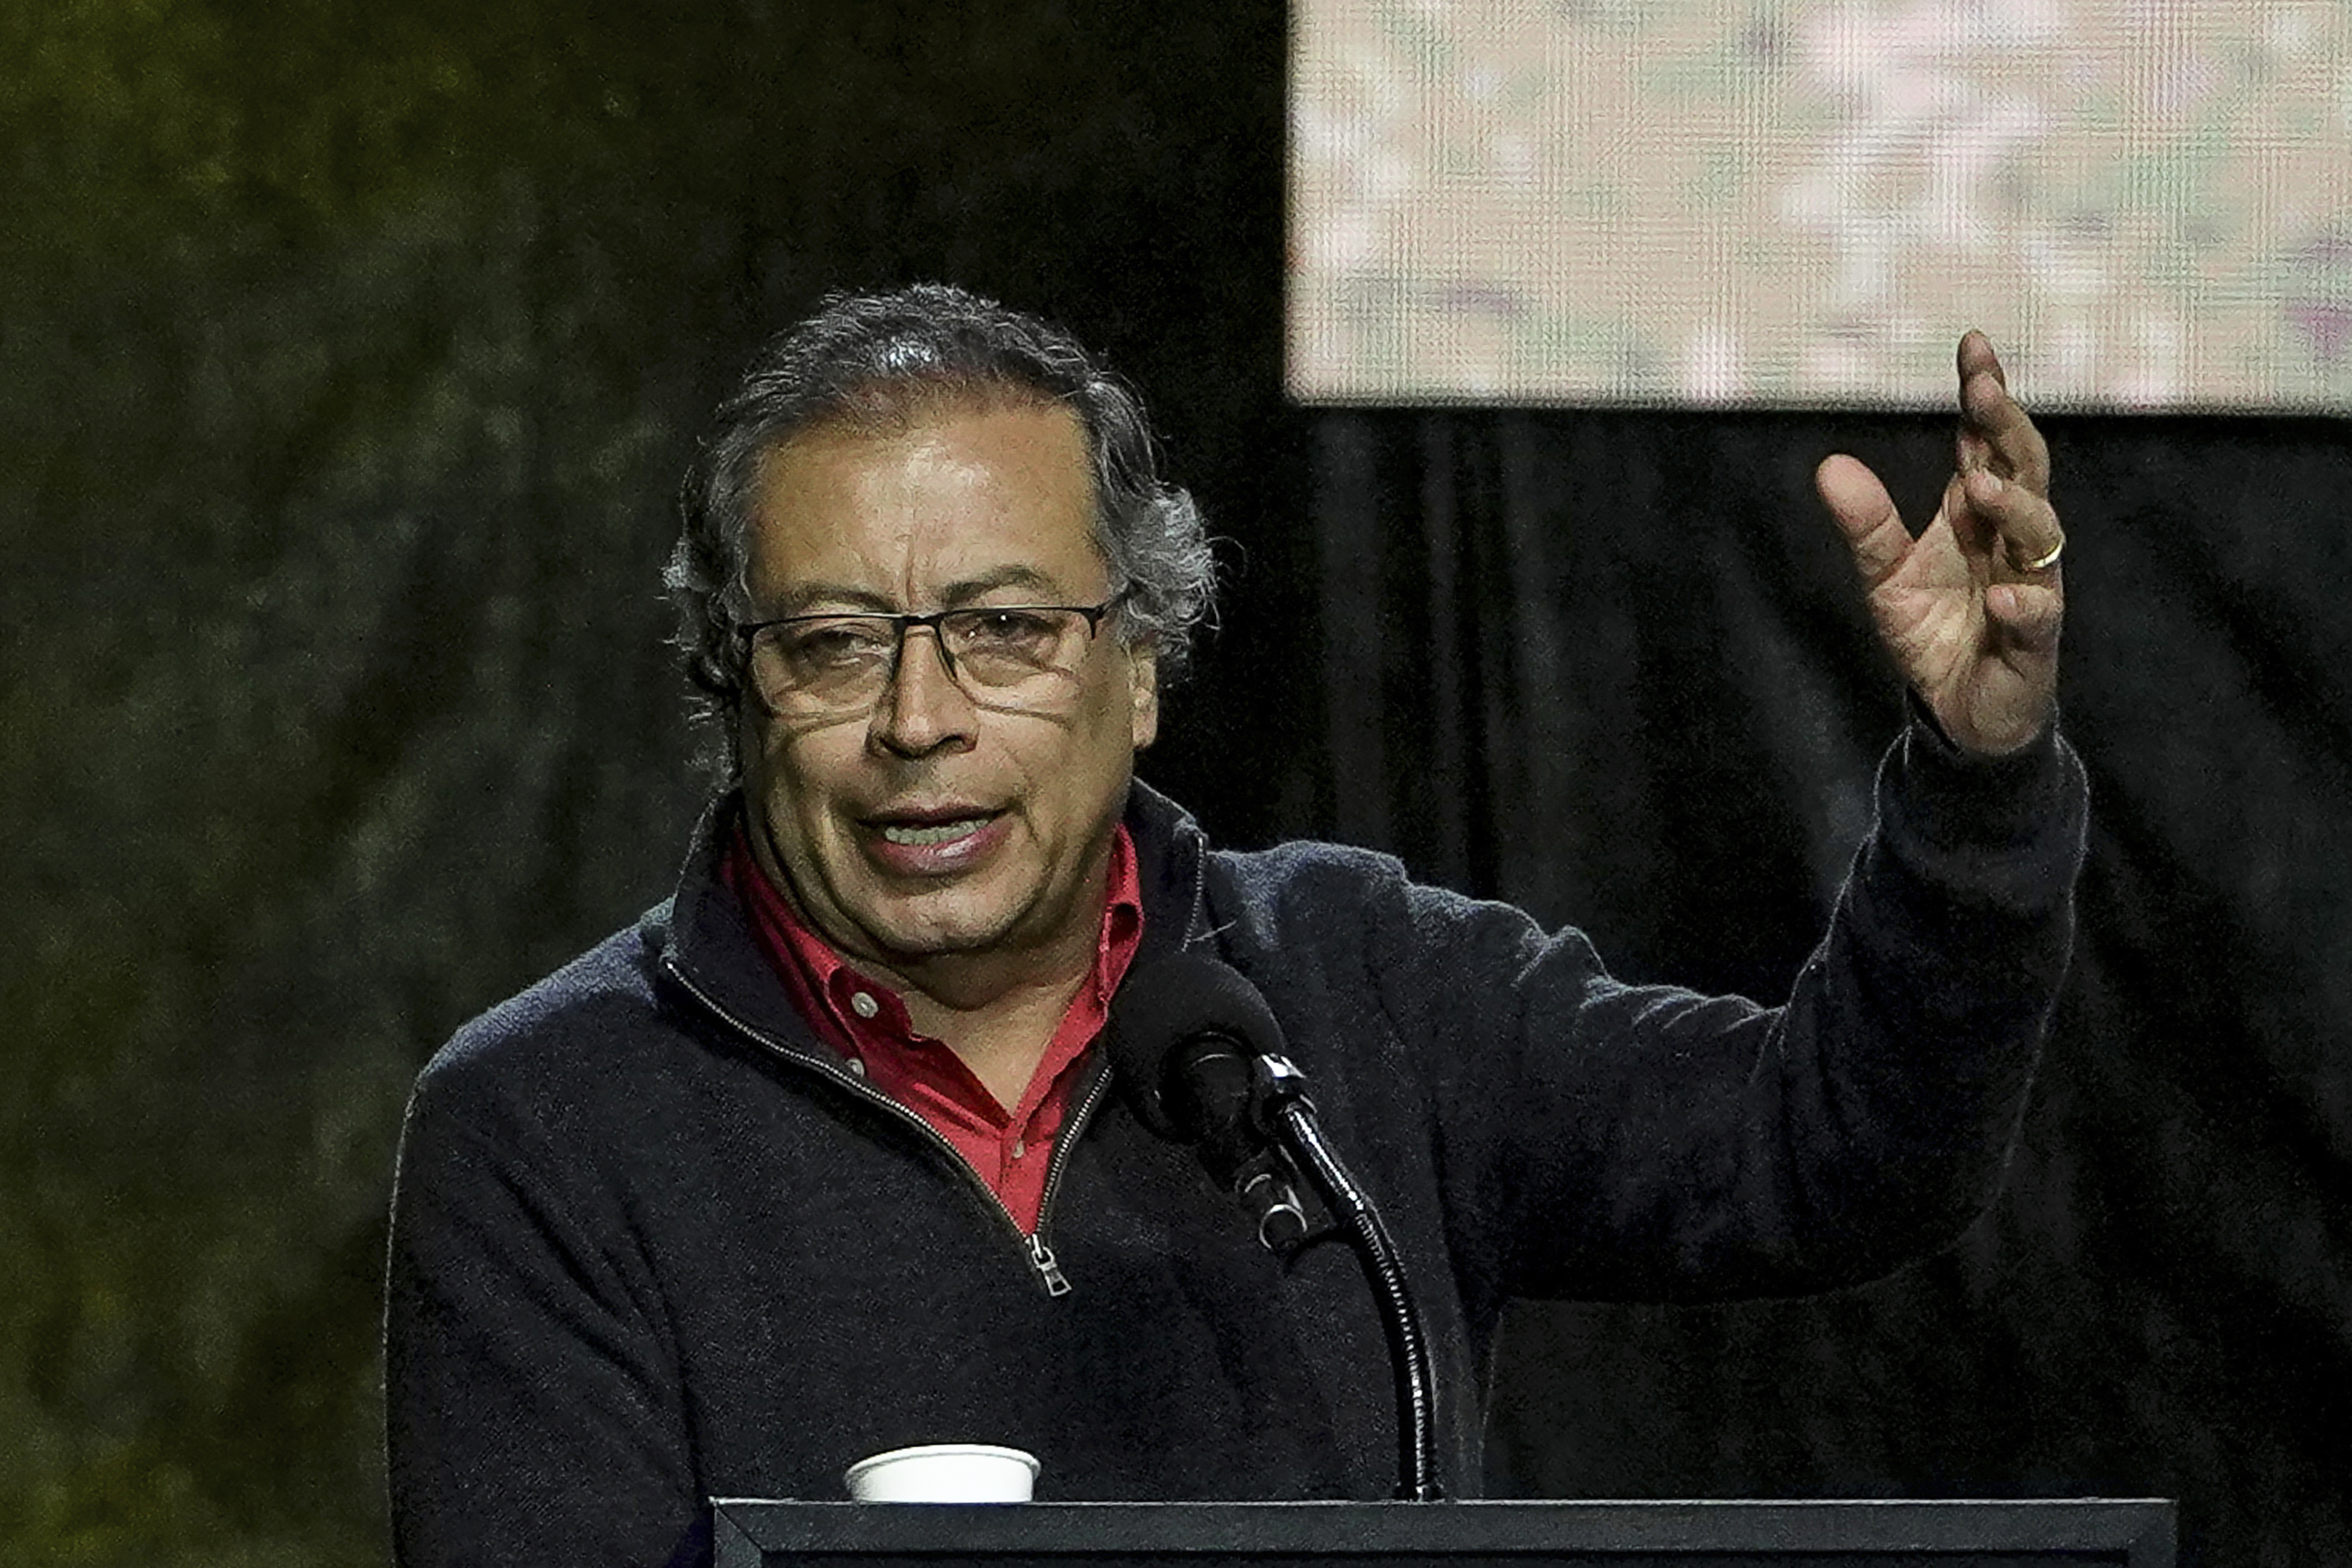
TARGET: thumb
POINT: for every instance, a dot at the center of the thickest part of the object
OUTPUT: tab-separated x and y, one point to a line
1865	513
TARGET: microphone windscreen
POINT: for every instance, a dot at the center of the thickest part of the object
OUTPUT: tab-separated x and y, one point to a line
1184	996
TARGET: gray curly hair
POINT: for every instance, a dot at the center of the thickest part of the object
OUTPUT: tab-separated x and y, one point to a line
872	360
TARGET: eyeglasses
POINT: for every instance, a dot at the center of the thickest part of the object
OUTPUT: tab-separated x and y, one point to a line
831	663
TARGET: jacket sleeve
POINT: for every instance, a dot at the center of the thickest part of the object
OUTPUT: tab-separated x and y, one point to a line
531	1407
1610	1141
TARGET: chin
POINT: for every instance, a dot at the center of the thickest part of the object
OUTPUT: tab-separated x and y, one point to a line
927	933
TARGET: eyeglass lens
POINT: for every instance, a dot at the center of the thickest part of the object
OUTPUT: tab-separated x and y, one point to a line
845	660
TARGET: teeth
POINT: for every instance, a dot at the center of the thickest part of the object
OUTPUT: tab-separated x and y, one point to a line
938	833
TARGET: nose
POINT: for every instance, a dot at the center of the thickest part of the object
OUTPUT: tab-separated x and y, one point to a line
925	709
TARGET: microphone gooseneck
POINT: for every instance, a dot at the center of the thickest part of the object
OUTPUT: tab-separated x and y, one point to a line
1199	1056
1367	1235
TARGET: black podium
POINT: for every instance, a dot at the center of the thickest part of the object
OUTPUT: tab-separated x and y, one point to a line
2137	1533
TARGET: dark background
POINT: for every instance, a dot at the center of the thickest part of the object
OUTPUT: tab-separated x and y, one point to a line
348	356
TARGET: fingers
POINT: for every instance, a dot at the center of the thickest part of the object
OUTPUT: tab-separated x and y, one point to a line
1995	432
1976	354
2026	525
1866	514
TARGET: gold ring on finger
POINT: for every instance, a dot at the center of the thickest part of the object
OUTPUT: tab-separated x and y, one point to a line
2046	560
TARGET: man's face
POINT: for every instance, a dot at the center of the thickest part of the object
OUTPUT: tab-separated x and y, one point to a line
932	824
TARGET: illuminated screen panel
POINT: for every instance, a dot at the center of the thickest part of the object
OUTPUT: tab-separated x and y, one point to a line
2146	203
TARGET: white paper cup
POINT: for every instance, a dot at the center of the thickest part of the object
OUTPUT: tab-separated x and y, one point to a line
944	1472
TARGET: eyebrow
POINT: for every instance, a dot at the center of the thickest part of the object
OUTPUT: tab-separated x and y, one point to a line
808	596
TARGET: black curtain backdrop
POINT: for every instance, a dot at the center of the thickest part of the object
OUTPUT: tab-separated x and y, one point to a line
348	357
1612	666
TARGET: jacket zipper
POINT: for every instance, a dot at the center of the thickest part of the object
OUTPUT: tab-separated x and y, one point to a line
1042	1262
1040	1255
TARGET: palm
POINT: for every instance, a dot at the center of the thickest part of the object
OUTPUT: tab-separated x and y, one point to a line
1967	609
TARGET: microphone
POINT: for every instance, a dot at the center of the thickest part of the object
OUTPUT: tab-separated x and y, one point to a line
1185	1035
1200	1058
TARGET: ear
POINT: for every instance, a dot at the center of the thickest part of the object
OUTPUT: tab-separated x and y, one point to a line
1143	693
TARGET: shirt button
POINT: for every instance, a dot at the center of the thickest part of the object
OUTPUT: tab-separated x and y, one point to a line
1020	1148
858	1066
864	1004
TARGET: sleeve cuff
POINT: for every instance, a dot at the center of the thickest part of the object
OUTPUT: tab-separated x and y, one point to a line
1957	797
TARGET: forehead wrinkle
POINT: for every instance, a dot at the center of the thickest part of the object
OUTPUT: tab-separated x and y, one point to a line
920	504
813	597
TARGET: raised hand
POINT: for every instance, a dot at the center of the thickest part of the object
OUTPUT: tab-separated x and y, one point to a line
1970	608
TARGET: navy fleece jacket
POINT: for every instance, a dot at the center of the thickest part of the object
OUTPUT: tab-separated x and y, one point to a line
652	1243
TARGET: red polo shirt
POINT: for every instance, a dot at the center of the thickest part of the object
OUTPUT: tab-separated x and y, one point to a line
866	1023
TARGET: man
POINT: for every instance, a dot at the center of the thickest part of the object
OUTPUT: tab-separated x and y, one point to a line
820	1159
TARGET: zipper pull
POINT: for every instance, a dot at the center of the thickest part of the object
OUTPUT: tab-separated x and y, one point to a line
1041	1257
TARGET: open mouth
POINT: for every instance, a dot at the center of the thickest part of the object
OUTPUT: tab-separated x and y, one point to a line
933	837
933	832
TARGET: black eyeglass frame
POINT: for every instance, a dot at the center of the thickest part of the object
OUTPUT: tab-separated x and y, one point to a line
904	622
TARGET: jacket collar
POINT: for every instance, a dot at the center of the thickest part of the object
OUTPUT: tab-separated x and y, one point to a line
703	939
